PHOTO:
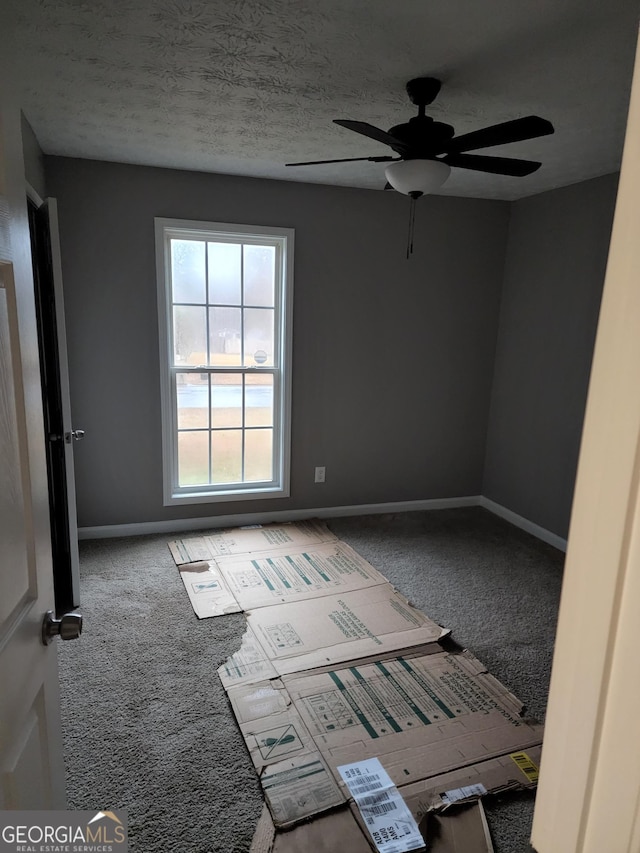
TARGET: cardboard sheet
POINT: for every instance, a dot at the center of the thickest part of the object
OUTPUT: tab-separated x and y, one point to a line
337	668
460	830
288	638
296	573
423	716
208	590
242	540
325	833
251	664
443	728
495	775
248	665
336	628
299	787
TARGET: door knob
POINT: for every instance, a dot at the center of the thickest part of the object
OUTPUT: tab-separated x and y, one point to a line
78	434
68	627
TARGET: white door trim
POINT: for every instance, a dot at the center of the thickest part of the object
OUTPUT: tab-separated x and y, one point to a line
589	790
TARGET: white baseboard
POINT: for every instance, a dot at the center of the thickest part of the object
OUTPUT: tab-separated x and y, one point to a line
523	523
177	525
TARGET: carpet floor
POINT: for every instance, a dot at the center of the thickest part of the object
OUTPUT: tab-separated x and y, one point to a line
147	726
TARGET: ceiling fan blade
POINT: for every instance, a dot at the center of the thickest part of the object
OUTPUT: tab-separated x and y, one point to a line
345	160
372	132
494	165
517	130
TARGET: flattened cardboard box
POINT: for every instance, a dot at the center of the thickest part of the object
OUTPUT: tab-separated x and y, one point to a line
293	637
264	578
436	720
296	573
242	540
459	830
509	772
207	589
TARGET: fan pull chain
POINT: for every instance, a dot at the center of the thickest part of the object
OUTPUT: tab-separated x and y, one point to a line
412	222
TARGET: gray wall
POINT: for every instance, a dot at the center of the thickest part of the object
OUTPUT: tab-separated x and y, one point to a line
393	359
554	272
33	159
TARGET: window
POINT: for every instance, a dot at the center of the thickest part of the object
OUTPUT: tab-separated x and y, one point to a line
225	305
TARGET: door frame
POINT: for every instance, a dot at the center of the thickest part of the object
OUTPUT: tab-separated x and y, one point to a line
589	793
56	398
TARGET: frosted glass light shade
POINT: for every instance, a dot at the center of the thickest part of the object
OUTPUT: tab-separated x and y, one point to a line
417	176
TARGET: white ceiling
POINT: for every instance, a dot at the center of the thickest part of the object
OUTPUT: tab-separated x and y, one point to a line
244	86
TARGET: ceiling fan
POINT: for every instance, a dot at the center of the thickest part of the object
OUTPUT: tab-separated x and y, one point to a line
427	149
422	138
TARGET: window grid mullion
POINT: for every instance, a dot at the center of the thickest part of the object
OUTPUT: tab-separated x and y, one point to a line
216	305
173	373
207	310
242	422
242	360
235	368
223	428
209	422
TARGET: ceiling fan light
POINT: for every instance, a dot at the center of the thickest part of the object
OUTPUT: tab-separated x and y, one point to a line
417	176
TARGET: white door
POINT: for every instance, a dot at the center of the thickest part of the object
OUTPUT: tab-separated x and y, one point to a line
31	768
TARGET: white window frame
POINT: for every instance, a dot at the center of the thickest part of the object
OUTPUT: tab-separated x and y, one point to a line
283	240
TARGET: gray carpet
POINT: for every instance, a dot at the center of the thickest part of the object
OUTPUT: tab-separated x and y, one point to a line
147	726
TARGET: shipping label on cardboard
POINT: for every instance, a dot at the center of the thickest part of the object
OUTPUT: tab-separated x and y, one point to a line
385	814
288	574
208	590
455	795
336	628
241	540
300	787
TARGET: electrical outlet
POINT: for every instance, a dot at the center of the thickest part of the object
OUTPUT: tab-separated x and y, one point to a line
320	475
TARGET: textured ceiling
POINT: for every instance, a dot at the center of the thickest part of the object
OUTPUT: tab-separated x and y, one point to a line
244	86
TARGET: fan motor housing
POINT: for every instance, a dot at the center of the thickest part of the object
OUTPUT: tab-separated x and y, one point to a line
422	135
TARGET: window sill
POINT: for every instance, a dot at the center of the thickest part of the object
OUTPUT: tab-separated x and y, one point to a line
235	495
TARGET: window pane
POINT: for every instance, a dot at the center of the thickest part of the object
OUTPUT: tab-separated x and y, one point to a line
258	400
226	456
258	454
259	275
193	458
188	271
192	393
224	273
224	336
226	400
189	335
258	336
